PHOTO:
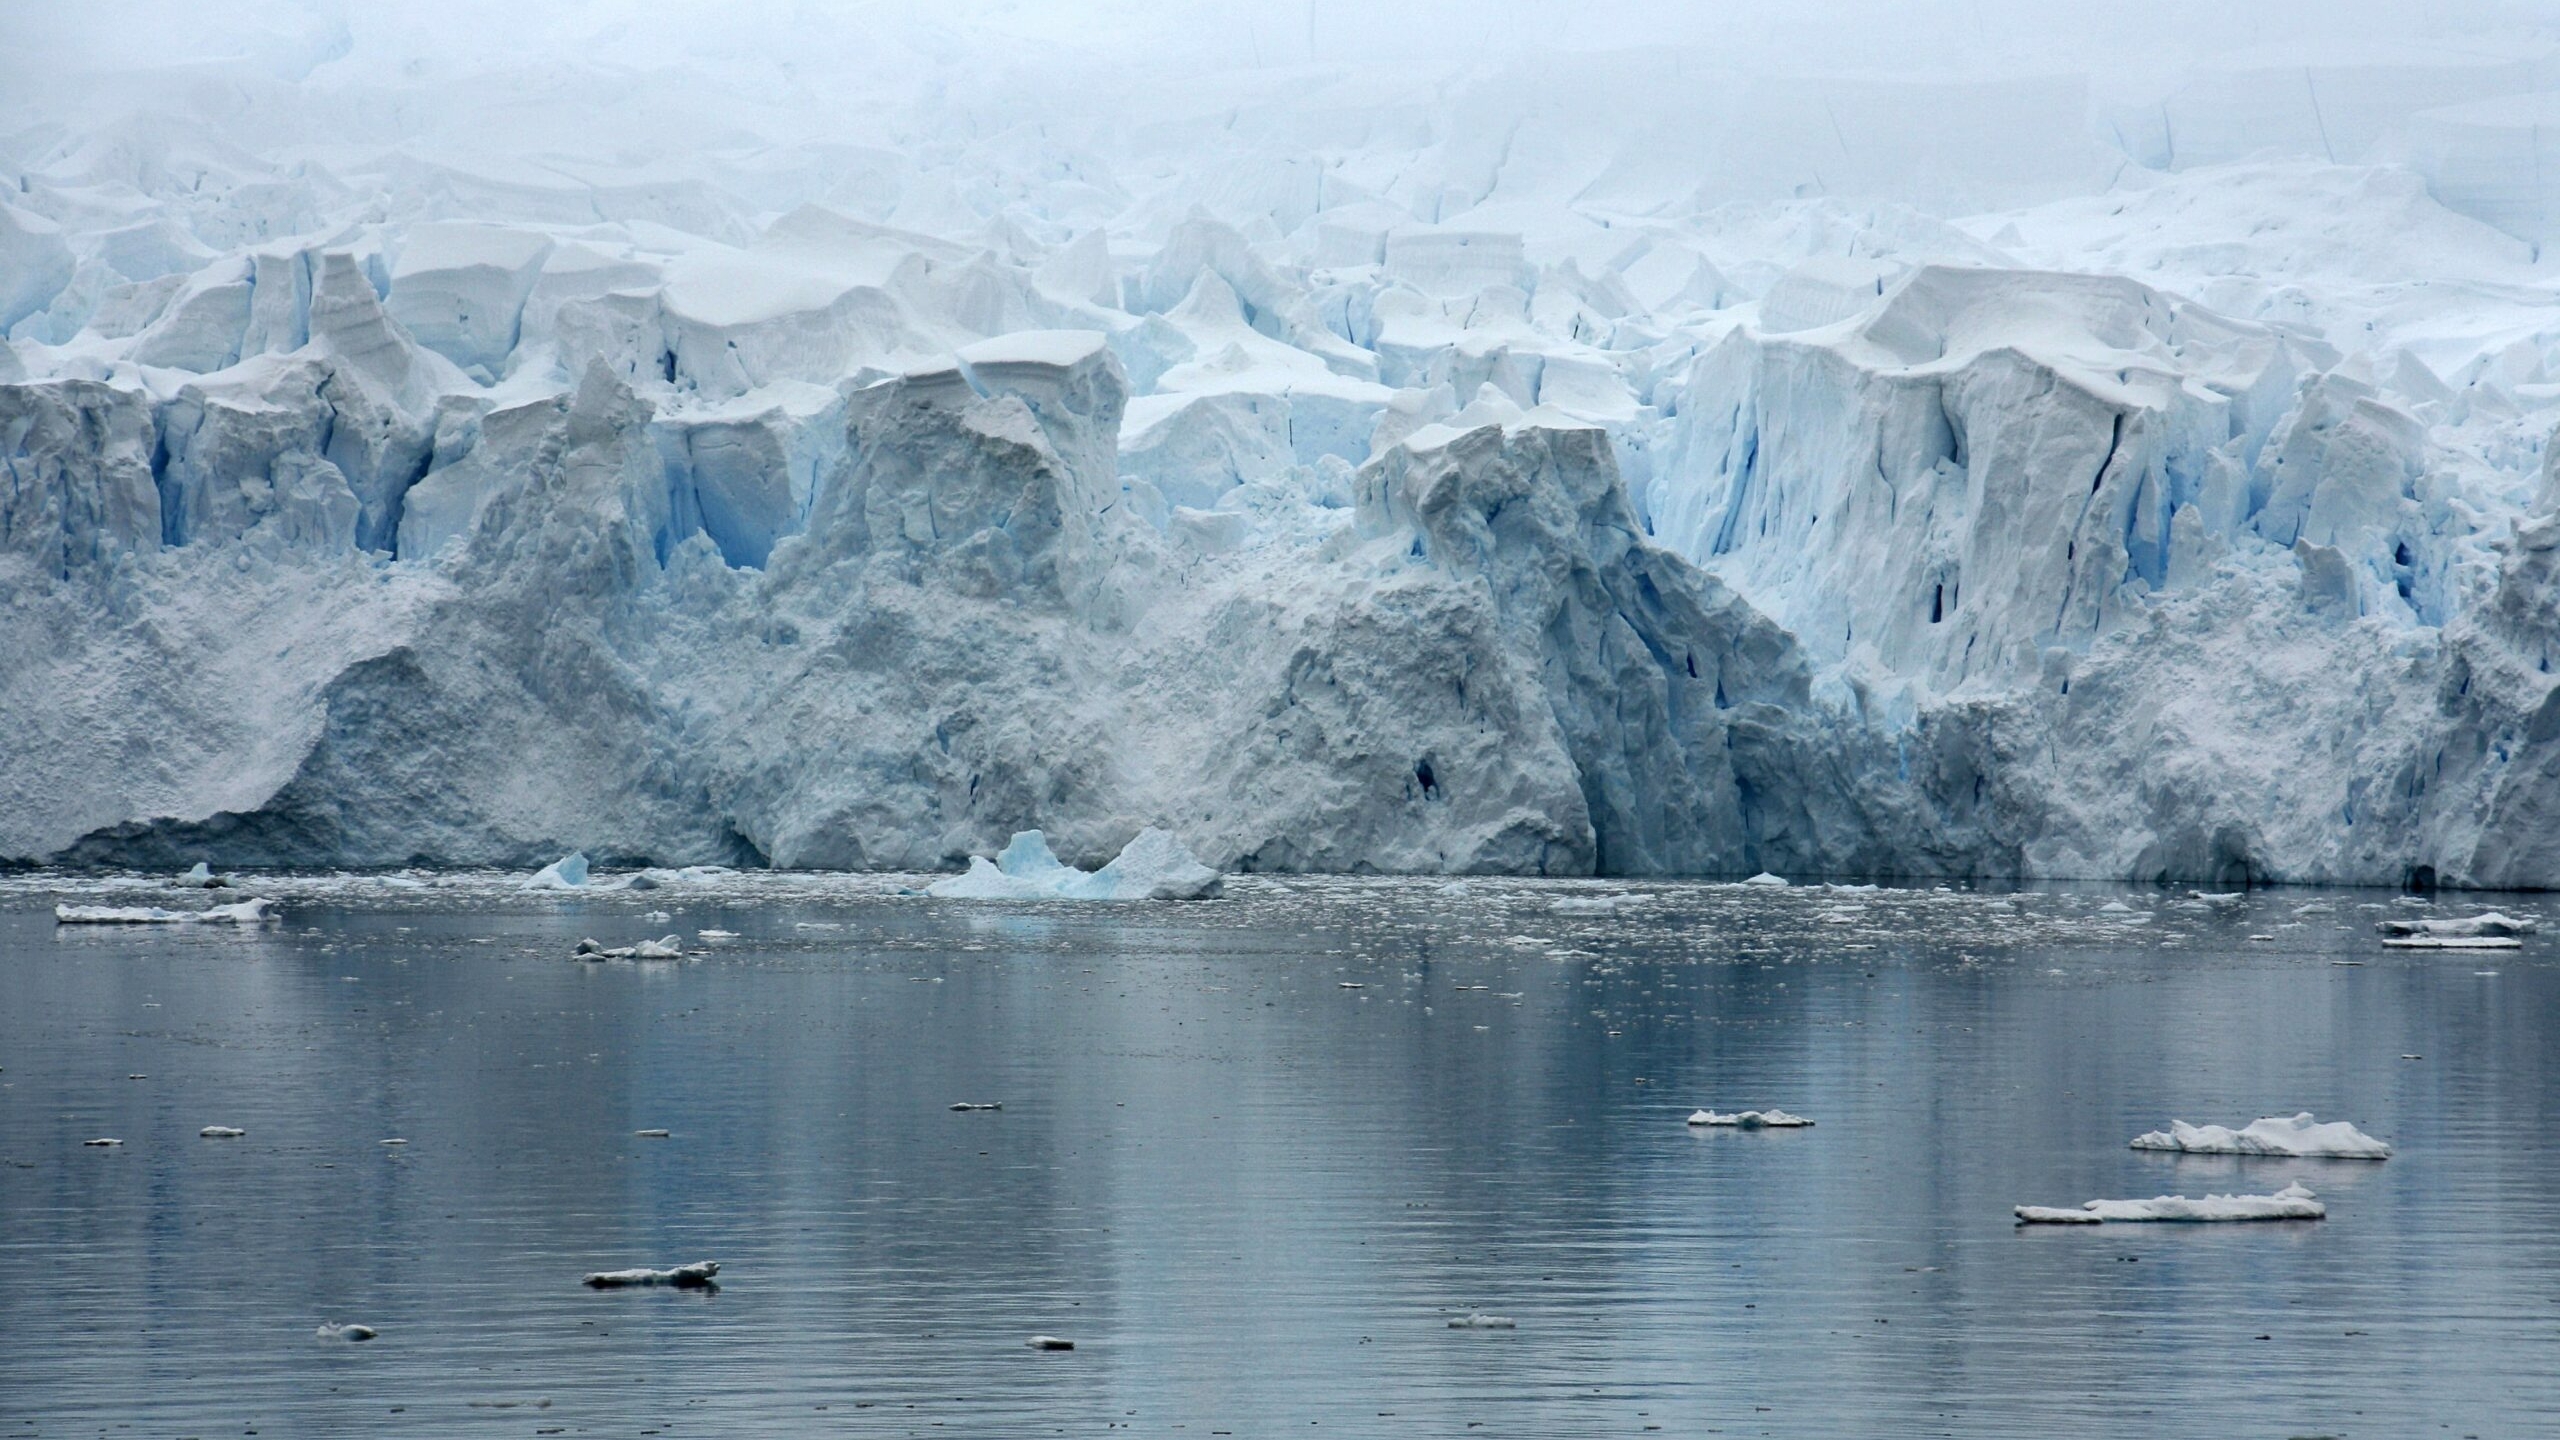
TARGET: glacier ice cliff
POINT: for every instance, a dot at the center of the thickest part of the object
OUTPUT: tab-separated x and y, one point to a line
1328	487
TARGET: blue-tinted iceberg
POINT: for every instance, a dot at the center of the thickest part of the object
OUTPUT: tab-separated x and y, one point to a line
1153	866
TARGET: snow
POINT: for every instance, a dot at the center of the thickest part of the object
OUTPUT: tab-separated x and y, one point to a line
2293	1202
2298	1137
1152	866
1744	446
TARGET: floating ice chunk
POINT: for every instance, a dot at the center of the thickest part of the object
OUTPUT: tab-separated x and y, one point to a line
1049	1342
102	1141
689	1277
2453	942
665	947
569	872
201	878
650	1134
1588	905
221	1132
1153	866
245	912
715	935
2293	1202
2225	898
973	1105
2115	907
1482	1321
2462	927
1774	882
2299	1137
350	1333
1753	1120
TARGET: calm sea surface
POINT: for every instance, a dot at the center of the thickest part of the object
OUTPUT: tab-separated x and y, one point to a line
1254	1155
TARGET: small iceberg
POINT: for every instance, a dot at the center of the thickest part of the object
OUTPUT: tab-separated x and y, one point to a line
103	1141
2297	1138
1154	866
246	912
2453	942
350	1333
2293	1202
1049	1342
978	1105
1774	882
1753	1120
1588	905
1481	1321
569	872
221	1132
201	878
695	1276
2465	927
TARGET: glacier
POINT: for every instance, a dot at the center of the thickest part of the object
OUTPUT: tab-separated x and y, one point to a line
1342	461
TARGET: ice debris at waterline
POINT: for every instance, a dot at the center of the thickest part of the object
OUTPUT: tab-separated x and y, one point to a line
103	1141
2297	1137
1482	1321
201	878
1153	866
2293	1202
245	912
2452	942
221	1132
1049	1342
690	1277
1752	1120
978	1105
349	1333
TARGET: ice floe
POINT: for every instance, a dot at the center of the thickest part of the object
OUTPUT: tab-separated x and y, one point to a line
2293	1202
1752	1120
691	1277
2294	1137
2491	923
245	912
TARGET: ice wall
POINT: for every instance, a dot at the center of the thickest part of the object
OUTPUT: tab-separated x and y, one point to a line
853	441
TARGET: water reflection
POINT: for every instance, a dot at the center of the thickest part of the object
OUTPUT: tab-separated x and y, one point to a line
1254	1195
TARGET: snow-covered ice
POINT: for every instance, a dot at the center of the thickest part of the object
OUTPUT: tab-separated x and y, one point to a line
2293	1202
2297	1136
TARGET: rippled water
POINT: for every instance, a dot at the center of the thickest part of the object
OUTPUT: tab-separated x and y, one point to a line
1251	1194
